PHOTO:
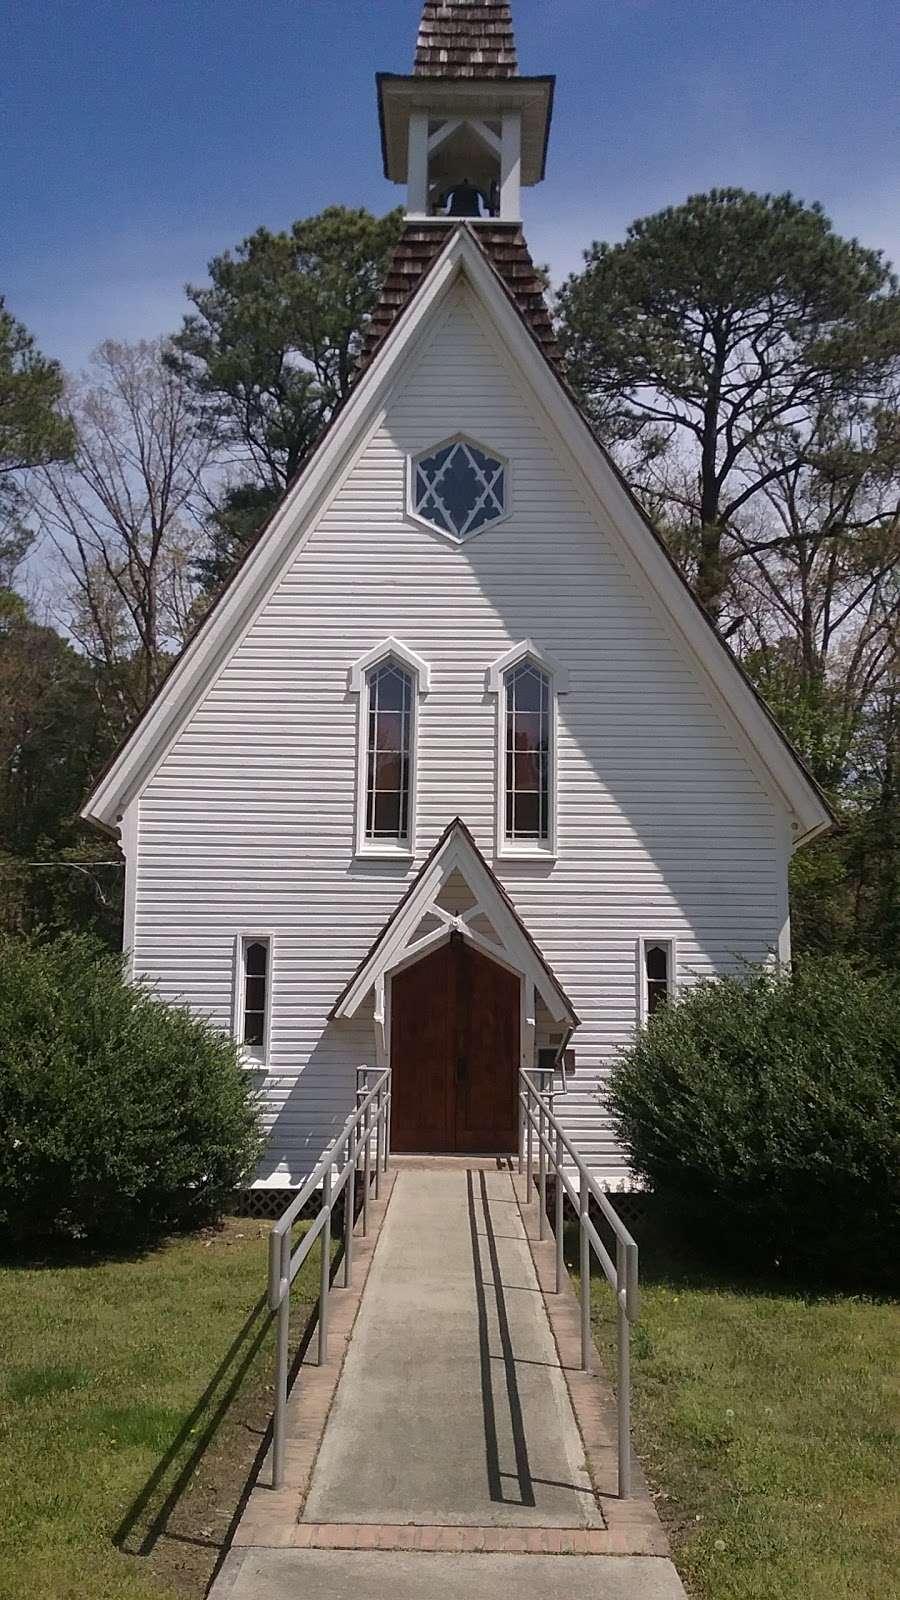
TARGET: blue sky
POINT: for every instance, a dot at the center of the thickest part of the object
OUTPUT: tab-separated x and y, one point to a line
140	137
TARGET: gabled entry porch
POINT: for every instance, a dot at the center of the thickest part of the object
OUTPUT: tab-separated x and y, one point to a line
456	978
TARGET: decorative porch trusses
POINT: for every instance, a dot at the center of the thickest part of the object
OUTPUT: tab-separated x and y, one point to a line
481	911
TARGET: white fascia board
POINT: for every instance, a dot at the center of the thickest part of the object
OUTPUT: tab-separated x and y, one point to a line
285	536
516	945
620	518
385	956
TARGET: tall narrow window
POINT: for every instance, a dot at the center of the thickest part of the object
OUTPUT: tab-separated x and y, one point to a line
529	734
389	753
390	680
253	996
256	982
657	975
657	958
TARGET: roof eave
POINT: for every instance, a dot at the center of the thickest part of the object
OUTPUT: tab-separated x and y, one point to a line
501	89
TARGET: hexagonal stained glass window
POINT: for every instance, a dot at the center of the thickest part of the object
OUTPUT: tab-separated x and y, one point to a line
459	488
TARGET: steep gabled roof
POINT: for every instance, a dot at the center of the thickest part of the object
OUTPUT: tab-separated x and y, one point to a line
466	39
401	940
508	300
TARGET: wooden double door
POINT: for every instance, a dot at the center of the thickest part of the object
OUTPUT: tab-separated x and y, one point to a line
455	1054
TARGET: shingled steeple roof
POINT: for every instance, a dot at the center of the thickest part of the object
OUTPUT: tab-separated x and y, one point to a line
466	39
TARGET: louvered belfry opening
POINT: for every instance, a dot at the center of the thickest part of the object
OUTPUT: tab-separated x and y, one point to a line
466	39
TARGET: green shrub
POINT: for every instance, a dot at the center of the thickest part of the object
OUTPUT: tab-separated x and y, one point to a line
119	1114
765	1110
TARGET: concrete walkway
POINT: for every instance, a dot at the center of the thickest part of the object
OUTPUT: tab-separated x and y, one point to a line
453	1459
452	1409
346	1575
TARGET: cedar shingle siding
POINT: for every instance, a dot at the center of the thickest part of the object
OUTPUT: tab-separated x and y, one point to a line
505	247
466	39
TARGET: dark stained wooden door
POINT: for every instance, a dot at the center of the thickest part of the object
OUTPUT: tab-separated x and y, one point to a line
422	1014
455	1054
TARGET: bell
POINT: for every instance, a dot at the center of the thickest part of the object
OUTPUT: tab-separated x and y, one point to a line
465	200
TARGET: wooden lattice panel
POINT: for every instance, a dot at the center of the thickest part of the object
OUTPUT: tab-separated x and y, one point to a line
266	1205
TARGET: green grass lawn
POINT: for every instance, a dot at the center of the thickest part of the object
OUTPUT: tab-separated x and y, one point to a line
769	1423
134	1395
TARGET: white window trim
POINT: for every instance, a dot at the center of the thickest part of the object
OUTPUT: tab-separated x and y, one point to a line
455	539
531	849
359	677
668	943
254	1057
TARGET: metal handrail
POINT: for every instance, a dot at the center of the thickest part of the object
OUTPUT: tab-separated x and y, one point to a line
371	1119
555	1147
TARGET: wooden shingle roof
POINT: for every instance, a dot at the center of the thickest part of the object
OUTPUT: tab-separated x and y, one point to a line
466	39
504	245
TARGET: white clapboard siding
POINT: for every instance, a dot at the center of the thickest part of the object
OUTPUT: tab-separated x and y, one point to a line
248	824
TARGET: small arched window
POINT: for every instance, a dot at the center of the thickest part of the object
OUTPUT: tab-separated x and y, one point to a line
529	739
253	996
391	700
657	959
657	975
256	975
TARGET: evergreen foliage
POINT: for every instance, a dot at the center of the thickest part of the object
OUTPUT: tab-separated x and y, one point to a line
765	1109
271	347
123	1118
722	328
33	430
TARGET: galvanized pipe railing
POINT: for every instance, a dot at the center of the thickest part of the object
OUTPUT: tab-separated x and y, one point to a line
335	1175
575	1180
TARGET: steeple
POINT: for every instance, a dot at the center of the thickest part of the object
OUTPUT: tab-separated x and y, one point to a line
466	39
466	131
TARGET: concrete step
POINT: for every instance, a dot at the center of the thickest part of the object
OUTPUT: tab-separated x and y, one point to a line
380	1575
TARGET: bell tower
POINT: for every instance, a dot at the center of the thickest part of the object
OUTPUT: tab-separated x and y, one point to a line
465	132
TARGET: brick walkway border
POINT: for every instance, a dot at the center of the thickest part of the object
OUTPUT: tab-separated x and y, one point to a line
271	1515
462	1541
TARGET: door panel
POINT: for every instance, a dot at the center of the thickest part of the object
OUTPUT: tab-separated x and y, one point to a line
455	1054
421	1048
488	1061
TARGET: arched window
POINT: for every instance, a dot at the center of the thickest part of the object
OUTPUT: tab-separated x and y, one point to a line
657	959
389	754
256	976
656	974
527	682
390	680
253	996
529	740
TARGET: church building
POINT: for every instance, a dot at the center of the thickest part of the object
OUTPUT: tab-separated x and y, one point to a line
457	777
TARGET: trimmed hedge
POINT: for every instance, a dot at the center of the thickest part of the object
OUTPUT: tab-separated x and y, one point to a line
764	1109
120	1116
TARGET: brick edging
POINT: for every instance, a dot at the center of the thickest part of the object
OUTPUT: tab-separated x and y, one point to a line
457	1540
